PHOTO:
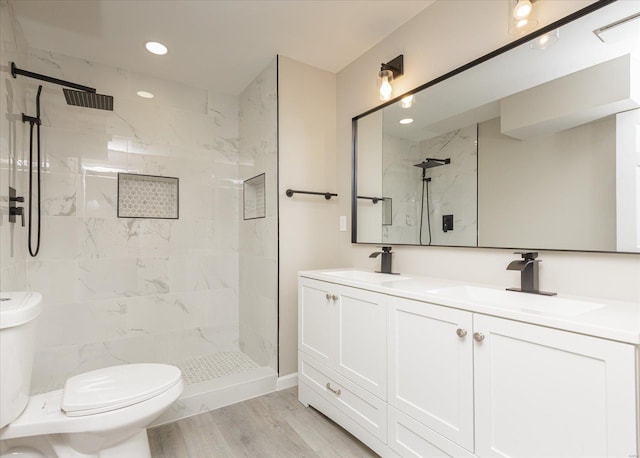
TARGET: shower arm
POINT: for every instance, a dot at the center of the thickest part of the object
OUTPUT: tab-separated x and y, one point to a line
17	71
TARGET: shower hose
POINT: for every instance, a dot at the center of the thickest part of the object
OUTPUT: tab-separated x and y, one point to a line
34	121
425	184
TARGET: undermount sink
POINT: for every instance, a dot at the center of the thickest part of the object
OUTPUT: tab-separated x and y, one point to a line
521	301
364	275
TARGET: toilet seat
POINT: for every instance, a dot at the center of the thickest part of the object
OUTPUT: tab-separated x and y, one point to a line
116	387
44	413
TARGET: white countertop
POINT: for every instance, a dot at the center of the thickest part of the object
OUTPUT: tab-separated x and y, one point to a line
615	320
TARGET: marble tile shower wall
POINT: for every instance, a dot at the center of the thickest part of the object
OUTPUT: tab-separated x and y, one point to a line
454	187
452	190
13	242
259	237
128	290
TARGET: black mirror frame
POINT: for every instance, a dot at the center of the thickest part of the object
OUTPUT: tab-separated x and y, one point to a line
514	44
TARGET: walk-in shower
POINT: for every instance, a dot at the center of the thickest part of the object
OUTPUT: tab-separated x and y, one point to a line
79	95
428	163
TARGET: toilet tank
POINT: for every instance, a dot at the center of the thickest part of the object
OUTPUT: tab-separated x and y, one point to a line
18	313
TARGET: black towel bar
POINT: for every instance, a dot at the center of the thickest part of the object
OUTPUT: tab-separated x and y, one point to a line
327	195
374	199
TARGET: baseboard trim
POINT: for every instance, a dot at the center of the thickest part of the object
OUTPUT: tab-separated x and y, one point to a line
287	381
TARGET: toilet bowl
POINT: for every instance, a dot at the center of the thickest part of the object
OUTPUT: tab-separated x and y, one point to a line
102	413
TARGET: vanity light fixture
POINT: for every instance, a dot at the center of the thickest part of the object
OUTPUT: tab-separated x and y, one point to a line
522	10
155	47
408	101
145	94
522	16
392	69
406	121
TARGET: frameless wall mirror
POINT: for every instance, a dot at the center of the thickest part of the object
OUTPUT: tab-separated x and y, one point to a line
535	146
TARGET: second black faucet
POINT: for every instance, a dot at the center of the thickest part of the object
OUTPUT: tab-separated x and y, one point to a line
385	263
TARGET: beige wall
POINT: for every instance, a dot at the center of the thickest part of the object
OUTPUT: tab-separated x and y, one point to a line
446	35
443	37
308	224
556	190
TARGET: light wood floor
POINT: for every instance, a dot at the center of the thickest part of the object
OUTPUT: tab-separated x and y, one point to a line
275	425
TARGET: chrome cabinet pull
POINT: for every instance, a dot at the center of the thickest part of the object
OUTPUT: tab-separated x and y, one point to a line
336	392
478	336
334	297
328	296
461	332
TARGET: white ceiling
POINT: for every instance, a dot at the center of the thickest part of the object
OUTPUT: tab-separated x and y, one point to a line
217	44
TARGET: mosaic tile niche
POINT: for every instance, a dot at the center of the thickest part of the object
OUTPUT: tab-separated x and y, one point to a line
147	196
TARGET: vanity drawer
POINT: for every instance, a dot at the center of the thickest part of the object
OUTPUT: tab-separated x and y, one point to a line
410	438
358	404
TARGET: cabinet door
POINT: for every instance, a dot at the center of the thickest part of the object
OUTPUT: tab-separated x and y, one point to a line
361	328
431	367
545	392
316	319
409	438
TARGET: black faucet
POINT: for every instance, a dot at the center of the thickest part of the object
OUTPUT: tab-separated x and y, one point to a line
385	264
528	267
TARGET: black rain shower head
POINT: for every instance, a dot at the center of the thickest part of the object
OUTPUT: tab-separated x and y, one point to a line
82	96
88	99
431	162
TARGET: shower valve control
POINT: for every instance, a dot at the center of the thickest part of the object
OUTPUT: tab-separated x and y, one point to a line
14	210
447	223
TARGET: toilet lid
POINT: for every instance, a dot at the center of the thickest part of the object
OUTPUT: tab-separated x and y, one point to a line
116	387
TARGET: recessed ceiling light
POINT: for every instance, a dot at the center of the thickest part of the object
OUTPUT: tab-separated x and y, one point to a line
406	121
145	94
156	48
546	40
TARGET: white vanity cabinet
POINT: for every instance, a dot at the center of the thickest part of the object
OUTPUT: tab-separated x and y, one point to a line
535	391
461	383
342	353
430	360
545	392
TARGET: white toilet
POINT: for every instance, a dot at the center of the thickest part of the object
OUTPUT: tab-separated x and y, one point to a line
102	413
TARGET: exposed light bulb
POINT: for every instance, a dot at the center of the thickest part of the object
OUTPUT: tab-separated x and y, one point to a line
145	94
522	23
386	89
407	102
406	121
522	9
156	48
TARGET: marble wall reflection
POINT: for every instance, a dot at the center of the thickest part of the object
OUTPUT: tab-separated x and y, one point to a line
131	290
453	189
416	212
401	183
259	237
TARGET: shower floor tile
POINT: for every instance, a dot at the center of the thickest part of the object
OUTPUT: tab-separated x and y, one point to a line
215	365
